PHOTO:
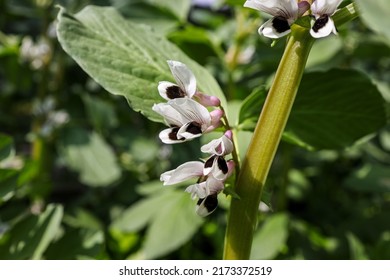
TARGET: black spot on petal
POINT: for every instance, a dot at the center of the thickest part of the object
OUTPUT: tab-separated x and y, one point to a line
175	92
210	202
209	162
280	24
222	165
173	134
320	23
194	128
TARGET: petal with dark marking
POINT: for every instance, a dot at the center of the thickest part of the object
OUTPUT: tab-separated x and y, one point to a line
207	205
322	27
275	28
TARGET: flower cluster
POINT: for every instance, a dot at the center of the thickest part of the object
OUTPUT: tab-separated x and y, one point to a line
186	115
286	12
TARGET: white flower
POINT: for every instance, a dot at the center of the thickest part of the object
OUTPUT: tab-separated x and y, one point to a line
207	192
205	187
184	172
284	13
185	87
187	120
221	146
186	82
206	206
322	11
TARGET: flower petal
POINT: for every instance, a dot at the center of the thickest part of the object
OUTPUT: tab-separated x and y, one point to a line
199	190
171	116
192	111
170	90
303	7
275	28
188	170
322	27
221	146
287	9
190	131
207	205
169	136
325	7
183	76
208	187
216	167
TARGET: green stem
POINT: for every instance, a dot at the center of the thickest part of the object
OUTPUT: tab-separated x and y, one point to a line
243	212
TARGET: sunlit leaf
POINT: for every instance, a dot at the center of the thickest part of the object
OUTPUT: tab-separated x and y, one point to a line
30	237
375	15
125	58
173	225
270	238
90	156
356	247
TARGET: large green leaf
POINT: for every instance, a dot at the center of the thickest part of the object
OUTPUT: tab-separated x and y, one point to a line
334	109
375	14
271	237
173	225
127	59
90	156
169	215
30	237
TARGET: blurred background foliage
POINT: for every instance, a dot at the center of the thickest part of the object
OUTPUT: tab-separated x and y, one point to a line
79	170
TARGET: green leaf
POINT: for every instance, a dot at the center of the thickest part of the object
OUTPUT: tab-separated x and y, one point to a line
323	51
100	113
356	247
77	243
88	154
251	108
173	225
271	237
125	58
375	15
334	109
8	183
169	216
82	238
30	237
137	216
6	146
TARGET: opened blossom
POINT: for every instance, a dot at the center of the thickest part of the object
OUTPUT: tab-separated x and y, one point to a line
206	189
284	13
187	120
185	86
322	10
216	163
210	175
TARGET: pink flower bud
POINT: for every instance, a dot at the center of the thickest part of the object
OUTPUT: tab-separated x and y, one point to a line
207	100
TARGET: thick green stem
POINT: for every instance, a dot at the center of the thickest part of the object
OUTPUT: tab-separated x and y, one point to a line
243	212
